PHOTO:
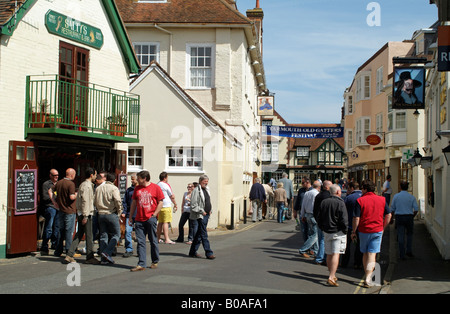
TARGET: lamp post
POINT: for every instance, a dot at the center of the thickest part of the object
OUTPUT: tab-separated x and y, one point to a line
417	157
446	152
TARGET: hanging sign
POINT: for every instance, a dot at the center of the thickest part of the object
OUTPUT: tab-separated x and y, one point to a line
409	88
373	139
443	48
265	105
304	132
73	29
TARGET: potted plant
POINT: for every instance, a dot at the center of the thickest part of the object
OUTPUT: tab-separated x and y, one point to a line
38	118
117	124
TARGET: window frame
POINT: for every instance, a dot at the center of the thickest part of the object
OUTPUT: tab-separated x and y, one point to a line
139	55
361	132
184	157
306	152
363	90
349	139
379	80
189	47
134	167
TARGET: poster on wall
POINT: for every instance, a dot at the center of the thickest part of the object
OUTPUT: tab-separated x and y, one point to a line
265	105
409	88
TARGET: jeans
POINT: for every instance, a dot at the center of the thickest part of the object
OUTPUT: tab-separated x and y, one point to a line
201	237
66	224
142	229
280	210
387	196
185	217
311	243
304	228
194	223
109	229
82	230
128	237
51	227
257	210
404	224
320	257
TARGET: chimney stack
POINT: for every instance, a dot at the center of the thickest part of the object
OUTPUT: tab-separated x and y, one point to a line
257	15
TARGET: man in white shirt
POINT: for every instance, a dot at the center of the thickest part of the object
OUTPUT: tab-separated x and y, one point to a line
307	214
165	215
387	190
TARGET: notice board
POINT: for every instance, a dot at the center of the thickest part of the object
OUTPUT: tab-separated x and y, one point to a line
25	199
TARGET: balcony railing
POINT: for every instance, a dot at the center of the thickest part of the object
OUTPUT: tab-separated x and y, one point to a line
56	104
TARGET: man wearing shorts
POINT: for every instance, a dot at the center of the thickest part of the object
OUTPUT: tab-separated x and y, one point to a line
165	216
332	220
372	214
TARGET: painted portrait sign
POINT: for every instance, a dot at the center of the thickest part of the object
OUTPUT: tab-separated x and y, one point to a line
409	88
265	105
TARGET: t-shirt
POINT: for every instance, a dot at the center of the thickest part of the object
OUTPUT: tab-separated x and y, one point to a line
147	199
371	209
64	188
387	185
167	191
207	201
47	185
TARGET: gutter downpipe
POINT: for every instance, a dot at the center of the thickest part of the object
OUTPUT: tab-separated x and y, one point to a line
169	61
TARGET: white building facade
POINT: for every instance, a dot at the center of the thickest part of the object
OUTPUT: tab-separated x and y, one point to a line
213	54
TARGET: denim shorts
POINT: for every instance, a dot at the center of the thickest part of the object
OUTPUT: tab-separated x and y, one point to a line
370	242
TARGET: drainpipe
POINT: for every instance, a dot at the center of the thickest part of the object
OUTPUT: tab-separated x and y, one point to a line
169	61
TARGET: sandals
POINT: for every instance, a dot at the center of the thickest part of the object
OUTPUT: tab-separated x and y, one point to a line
333	283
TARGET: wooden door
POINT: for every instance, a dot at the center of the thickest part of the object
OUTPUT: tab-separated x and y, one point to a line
23	200
74	86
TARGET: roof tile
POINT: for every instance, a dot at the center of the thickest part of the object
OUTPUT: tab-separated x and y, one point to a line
181	11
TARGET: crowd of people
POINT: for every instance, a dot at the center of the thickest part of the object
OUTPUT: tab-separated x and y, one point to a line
99	211
329	223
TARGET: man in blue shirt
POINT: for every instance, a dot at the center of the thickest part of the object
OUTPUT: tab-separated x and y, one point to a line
353	193
127	199
405	208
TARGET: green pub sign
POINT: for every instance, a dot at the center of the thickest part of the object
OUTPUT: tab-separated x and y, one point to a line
73	29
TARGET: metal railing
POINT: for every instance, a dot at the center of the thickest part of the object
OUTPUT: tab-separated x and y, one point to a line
71	106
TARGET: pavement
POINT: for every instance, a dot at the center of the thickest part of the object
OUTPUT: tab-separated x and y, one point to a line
425	273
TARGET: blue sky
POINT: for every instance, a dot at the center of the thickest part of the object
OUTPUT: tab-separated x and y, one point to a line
312	48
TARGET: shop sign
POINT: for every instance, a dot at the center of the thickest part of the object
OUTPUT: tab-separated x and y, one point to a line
444	48
407	153
73	29
373	139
